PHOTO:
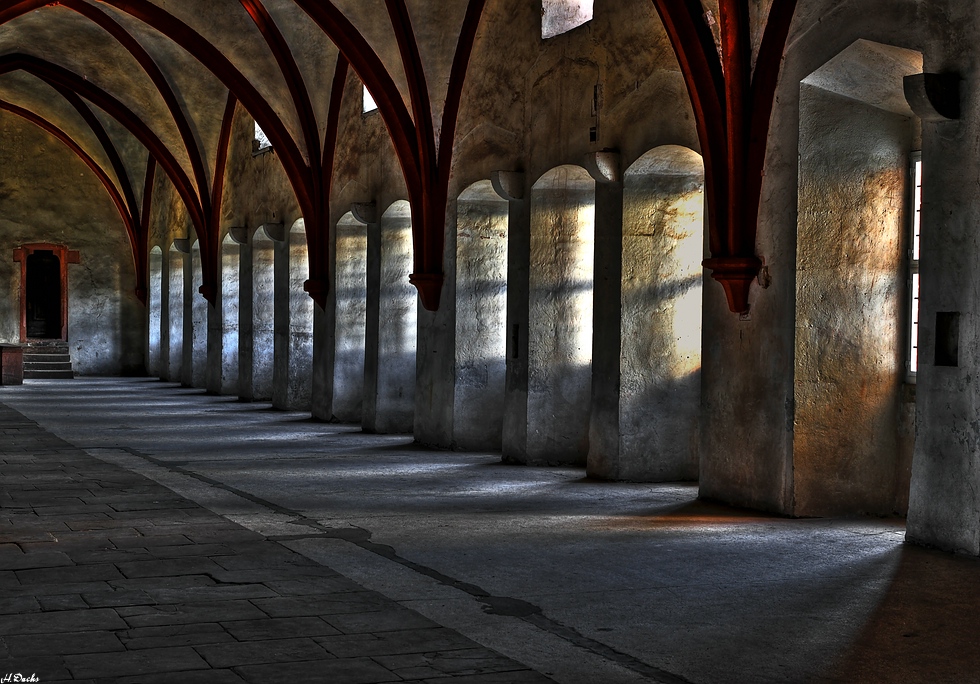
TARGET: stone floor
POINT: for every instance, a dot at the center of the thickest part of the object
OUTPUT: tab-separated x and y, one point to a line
151	533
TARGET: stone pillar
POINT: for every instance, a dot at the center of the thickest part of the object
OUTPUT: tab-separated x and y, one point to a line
514	437
604	446
372	329
435	358
246	323
945	493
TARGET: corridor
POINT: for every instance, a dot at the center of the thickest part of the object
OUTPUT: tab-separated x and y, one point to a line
553	575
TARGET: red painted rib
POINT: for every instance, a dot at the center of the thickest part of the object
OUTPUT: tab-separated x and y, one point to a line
290	71
373	74
129	221
209	285
59	76
122	175
159	81
293	162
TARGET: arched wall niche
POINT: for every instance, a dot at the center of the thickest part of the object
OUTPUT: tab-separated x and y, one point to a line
560	322
654	433
351	318
481	317
854	425
155	313
262	320
199	320
294	323
390	373
230	300
175	314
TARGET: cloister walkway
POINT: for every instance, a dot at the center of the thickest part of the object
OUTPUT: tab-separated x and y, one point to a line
149	529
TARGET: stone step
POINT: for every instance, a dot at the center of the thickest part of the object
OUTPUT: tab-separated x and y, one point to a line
47	358
47	365
49	374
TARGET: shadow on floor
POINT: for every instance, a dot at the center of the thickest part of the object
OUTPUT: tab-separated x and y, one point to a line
926	627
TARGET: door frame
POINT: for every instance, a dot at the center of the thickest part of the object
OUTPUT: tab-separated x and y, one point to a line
65	256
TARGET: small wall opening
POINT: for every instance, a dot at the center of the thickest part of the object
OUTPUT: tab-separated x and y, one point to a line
199	320
561	16
481	317
154	310
175	279
299	343
263	315
854	430
351	295
230	277
560	330
260	141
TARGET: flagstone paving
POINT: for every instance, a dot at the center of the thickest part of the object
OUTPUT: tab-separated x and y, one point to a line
107	576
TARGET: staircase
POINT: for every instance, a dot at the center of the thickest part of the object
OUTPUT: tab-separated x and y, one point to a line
47	360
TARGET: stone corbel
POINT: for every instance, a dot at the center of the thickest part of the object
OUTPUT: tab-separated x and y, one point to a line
933	97
604	166
365	213
182	245
508	184
735	275
238	234
275	231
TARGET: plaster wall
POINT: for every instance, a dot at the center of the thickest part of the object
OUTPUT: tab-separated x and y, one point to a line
397	331
849	451
351	307
481	318
293	382
263	315
175	315
106	322
651	431
154	310
560	331
228	316
199	328
945	495
748	386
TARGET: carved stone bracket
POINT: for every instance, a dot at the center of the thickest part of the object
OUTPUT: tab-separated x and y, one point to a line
275	231
508	184
239	235
933	97
604	166
365	213
735	275
429	287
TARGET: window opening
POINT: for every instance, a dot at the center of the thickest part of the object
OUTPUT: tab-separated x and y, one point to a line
561	16
261	143
916	225
369	104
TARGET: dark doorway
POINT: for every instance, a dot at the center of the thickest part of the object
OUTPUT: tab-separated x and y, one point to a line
44	315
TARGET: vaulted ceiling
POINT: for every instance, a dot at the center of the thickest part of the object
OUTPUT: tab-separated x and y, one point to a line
139	85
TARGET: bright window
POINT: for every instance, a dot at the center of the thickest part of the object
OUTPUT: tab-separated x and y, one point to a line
916	211
369	104
561	16
262	141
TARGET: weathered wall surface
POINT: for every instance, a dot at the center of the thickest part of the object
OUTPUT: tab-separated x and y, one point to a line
106	322
945	496
481	318
748	387
851	306
645	420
